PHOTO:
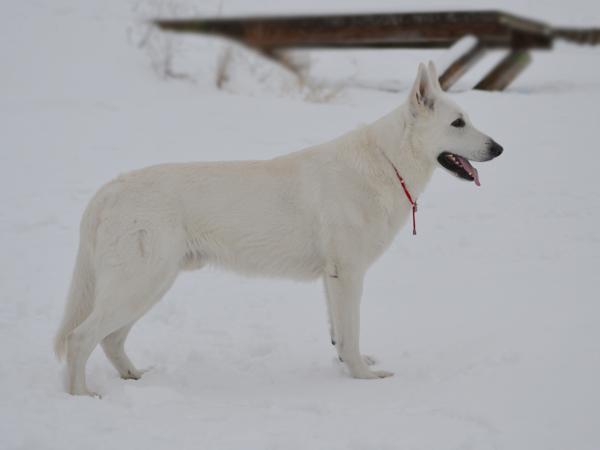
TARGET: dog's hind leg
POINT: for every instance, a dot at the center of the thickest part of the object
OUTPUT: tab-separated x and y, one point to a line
344	292
80	343
114	348
124	293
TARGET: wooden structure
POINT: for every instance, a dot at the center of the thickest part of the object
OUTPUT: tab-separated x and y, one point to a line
493	29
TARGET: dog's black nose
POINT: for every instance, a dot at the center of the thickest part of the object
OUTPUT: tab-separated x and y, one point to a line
495	149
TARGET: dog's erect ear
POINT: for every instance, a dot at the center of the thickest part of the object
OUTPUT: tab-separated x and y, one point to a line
433	76
422	92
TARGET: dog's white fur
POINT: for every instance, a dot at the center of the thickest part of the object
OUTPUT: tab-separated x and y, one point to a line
324	212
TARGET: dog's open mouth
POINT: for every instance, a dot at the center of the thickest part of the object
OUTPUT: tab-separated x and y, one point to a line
459	166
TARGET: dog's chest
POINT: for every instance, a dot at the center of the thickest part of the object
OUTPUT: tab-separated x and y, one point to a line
387	215
371	221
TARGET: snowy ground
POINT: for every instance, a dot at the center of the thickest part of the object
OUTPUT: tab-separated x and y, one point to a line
489	317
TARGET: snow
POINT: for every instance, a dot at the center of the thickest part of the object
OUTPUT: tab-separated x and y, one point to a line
489	317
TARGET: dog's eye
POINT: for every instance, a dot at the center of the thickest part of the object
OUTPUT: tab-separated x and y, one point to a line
458	123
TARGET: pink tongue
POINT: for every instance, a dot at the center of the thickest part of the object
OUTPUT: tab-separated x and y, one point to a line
469	168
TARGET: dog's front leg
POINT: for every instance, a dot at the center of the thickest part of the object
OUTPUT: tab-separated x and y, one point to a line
344	291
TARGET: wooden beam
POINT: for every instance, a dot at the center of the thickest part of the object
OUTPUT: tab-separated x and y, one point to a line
505	71
409	30
585	36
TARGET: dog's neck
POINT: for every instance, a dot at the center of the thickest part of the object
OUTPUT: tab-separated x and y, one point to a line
392	135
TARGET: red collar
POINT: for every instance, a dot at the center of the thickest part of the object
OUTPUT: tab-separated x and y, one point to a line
412	202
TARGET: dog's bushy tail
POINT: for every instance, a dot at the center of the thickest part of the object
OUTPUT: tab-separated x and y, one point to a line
80	300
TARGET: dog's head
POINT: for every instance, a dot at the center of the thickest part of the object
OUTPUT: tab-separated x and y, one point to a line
443	130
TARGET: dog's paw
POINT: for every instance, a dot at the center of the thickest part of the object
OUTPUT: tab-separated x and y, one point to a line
375	374
86	393
365	373
135	374
383	373
82	391
132	374
368	360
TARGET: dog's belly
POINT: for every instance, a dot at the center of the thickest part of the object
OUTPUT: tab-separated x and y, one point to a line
272	257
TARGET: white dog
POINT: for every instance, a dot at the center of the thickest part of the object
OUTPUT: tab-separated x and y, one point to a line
327	212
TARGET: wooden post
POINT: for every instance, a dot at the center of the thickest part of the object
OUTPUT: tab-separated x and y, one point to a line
458	68
505	71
